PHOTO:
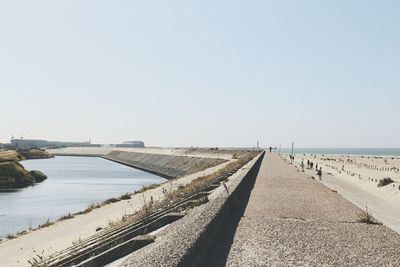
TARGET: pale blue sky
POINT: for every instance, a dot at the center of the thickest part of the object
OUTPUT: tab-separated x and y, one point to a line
206	73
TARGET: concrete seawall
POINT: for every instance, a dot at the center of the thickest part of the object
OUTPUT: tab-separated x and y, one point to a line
168	166
185	243
167	163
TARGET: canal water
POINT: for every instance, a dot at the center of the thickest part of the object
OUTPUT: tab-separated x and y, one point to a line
73	183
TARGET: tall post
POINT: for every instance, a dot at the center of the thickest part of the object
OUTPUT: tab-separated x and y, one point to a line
292	147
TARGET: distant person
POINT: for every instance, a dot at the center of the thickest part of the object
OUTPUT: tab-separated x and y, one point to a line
320	173
308	164
316	167
270	149
302	165
311	165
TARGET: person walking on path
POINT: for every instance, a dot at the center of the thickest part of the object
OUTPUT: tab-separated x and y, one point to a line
320	173
302	165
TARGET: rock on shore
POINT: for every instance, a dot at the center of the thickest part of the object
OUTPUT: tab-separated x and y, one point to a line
38	176
13	174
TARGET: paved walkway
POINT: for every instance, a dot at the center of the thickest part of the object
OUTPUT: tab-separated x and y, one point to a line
293	220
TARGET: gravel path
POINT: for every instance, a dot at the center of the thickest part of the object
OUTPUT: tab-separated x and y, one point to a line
293	220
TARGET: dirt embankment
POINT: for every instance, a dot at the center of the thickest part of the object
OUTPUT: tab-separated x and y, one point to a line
10	155
16	156
13	174
35	154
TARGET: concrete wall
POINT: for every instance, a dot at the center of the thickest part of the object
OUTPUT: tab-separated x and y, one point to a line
169	166
188	242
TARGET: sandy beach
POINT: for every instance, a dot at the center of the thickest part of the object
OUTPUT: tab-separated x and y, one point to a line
357	178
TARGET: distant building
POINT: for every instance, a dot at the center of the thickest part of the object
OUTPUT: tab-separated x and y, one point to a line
28	143
130	144
34	143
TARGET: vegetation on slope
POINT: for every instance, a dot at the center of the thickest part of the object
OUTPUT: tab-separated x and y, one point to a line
13	174
10	155
35	154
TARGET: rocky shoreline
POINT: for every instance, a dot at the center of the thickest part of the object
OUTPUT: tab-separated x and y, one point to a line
13	175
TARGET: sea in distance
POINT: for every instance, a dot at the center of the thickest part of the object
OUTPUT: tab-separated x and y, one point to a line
395	152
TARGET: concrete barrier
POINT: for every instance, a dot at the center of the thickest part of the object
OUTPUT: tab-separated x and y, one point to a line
167	166
189	241
231	210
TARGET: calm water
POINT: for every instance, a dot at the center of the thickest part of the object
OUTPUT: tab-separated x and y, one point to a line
346	151
73	183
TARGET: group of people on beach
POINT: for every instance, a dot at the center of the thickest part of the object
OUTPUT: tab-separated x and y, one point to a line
310	166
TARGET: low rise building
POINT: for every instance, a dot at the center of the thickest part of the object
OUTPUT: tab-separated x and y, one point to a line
37	143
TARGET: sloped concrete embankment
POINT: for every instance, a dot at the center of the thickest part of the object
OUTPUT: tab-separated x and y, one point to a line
168	166
188	241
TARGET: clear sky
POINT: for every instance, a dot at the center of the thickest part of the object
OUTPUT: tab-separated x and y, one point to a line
202	73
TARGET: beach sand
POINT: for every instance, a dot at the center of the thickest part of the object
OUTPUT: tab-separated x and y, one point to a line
357	179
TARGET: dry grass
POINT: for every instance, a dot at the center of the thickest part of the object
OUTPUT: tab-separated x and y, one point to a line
10	236
90	207
366	217
35	153
145	188
46	224
10	155
125	196
39	260
66	217
110	201
201	181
